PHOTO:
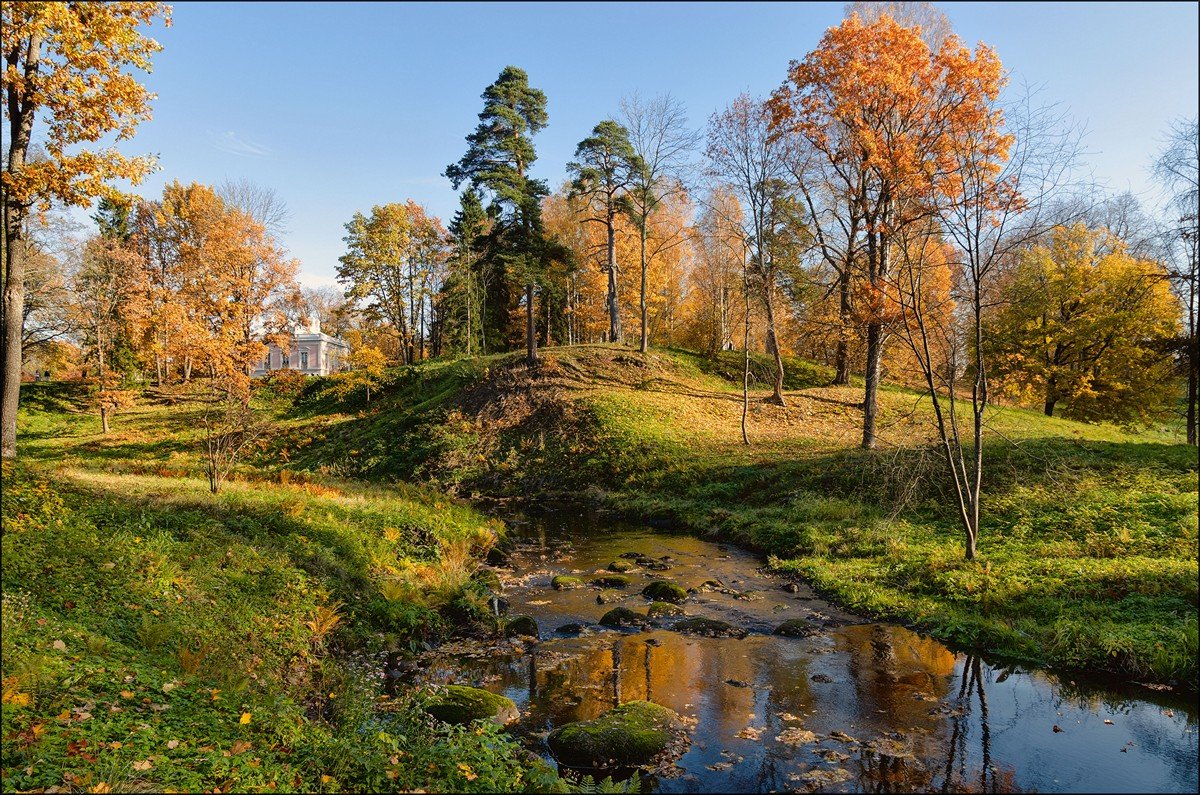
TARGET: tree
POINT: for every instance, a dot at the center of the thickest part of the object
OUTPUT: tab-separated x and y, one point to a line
64	64
749	162
662	143
499	154
391	261
603	171
1006	173
1086	326
105	297
366	369
1178	169
880	109
469	271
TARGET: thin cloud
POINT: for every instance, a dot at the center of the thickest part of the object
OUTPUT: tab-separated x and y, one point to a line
232	143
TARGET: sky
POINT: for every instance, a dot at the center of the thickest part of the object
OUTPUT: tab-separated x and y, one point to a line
342	106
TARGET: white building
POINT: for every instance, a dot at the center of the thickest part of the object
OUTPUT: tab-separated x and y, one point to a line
309	351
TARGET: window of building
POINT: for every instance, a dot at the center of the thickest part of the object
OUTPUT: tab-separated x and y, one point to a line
267	361
303	360
286	361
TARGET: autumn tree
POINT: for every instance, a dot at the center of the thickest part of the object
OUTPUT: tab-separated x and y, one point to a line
65	65
105	293
1178	169
715	275
499	154
662	144
880	110
392	261
1086	326
603	171
748	161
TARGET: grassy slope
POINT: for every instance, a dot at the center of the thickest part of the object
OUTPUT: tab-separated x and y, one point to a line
1089	544
145	620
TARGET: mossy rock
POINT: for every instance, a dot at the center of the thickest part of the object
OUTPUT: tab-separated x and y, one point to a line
612	580
608	597
664	591
709	627
570	629
627	736
621	566
564	582
521	625
795	628
631	555
461	705
657	609
622	617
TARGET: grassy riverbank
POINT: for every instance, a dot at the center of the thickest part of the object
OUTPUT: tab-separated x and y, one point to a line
158	638
1088	553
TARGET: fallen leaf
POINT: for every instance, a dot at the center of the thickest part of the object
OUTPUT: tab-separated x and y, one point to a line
59	645
145	764
1056	729
750	733
795	736
172	744
239	746
245	718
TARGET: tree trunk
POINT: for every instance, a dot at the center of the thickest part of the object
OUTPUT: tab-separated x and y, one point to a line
871	392
842	361
614	314
14	311
104	418
530	336
1193	365
745	351
773	344
645	346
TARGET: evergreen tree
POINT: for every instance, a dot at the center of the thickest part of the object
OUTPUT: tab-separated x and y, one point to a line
604	169
498	157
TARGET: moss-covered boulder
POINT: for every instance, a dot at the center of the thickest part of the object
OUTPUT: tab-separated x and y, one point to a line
795	628
521	625
622	617
657	609
564	582
621	566
460	705
611	581
664	591
627	736
709	627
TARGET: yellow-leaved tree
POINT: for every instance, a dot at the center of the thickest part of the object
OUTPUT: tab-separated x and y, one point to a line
65	66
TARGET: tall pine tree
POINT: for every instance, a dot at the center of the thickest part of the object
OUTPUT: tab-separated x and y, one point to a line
498	157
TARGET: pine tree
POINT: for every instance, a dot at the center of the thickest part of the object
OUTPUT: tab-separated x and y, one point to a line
498	157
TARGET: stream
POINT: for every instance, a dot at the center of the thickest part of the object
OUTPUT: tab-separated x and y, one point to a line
855	707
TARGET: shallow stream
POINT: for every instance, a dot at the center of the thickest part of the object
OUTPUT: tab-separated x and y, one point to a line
855	707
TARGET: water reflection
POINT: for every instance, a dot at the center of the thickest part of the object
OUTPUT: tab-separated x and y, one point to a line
864	708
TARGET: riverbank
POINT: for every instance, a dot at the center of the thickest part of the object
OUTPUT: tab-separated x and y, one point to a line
159	638
1088	551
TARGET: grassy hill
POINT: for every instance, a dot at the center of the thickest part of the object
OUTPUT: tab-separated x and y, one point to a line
1089	539
158	638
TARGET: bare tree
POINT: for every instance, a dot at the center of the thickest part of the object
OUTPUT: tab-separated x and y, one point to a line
262	204
231	429
1178	169
1002	206
748	159
935	25
663	143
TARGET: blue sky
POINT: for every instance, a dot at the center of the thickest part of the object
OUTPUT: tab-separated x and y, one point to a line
342	106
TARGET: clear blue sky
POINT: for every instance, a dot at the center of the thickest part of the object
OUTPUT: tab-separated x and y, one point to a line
342	106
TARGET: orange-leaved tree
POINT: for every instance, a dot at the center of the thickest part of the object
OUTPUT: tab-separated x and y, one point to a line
65	65
883	113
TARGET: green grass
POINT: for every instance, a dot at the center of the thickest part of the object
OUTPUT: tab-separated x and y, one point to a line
159	638
1088	550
